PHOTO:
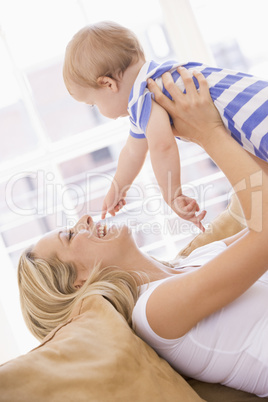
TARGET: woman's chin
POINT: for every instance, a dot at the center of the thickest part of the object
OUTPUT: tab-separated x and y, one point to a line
118	231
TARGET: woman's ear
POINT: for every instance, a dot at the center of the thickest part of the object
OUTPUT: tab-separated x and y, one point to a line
107	82
78	283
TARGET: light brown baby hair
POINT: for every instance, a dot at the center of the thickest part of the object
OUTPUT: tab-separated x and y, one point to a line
102	49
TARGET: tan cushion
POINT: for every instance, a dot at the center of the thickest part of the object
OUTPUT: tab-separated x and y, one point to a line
228	223
94	357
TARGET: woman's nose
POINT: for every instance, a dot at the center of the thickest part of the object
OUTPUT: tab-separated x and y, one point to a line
84	223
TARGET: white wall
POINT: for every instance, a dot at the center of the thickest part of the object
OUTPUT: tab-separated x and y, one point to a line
184	32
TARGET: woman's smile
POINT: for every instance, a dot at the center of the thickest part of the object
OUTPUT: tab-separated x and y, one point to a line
101	229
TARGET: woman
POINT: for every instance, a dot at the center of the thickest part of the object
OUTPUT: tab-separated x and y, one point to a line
217	304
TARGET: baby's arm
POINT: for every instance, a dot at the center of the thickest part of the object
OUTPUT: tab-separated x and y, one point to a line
166	165
130	162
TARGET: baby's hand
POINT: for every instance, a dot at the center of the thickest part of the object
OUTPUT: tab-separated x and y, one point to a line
187	208
113	202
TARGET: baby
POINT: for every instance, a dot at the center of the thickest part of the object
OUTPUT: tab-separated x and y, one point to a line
105	66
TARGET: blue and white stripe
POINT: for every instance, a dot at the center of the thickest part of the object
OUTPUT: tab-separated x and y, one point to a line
241	99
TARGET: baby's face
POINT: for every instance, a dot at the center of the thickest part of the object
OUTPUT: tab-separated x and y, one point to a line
111	103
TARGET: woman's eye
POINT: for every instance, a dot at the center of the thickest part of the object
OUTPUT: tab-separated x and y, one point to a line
70	235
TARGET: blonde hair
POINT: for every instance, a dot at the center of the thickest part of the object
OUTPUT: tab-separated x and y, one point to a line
48	295
102	49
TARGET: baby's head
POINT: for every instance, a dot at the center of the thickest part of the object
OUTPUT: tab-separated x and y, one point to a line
102	49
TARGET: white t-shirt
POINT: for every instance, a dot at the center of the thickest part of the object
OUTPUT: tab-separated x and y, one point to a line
228	347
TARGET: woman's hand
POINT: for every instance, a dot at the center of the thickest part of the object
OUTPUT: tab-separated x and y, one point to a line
194	115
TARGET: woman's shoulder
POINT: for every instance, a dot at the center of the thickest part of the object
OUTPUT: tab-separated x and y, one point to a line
140	322
198	257
154	293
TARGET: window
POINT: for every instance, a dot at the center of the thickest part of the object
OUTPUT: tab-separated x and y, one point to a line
58	156
235	32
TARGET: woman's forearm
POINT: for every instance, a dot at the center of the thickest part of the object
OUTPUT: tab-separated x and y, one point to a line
244	173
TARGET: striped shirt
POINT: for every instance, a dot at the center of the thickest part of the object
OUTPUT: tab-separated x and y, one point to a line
241	99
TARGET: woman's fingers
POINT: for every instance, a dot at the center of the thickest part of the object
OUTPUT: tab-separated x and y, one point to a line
176	94
193	113
173	89
160	98
203	84
188	81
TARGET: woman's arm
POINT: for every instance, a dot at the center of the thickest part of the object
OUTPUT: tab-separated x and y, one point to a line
181	302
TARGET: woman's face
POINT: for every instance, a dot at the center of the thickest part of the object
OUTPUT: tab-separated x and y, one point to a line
86	244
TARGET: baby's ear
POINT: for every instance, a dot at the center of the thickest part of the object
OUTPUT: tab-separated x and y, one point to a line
108	82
